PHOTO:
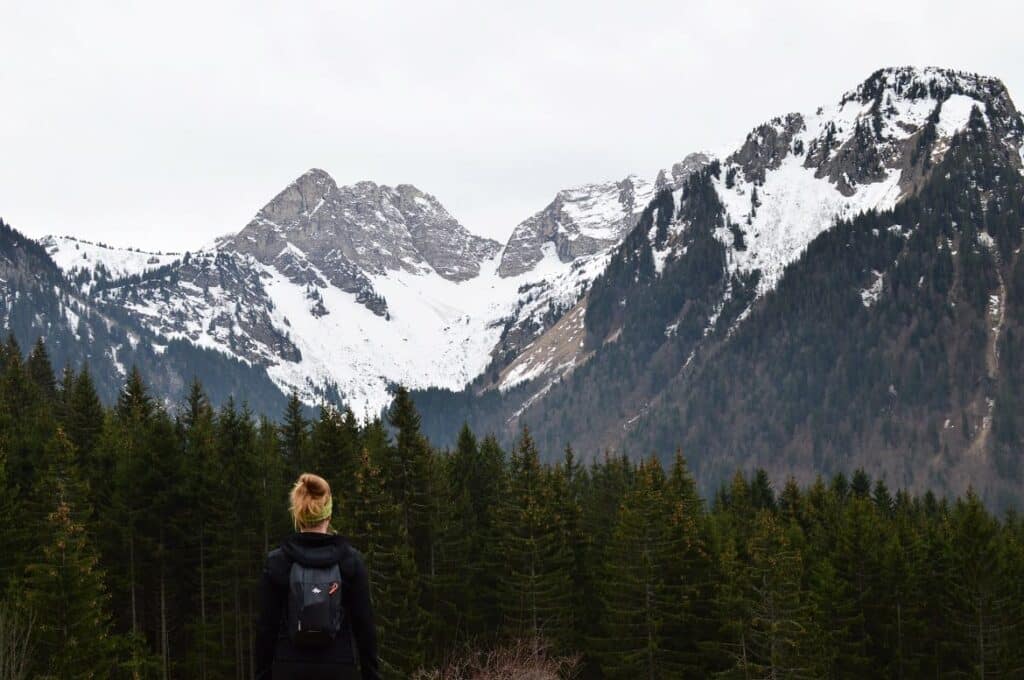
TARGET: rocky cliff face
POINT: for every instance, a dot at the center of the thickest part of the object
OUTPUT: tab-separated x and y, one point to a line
588	219
318	233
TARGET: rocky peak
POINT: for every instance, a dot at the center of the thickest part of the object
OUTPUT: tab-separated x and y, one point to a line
766	146
898	120
374	227
300	198
912	83
579	221
674	177
318	233
588	219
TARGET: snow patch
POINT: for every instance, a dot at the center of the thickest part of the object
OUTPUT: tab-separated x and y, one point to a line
795	207
72	255
870	295
955	113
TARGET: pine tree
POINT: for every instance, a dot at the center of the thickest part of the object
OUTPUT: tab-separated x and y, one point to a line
691	627
643	601
836	648
198	441
334	453
295	435
85	416
733	609
781	629
134	402
481	486
985	615
26	420
409	471
456	581
903	627
40	371
568	480
790	503
236	540
858	549
535	587
65	587
380	534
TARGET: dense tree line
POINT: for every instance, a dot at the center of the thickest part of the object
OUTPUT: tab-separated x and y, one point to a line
133	537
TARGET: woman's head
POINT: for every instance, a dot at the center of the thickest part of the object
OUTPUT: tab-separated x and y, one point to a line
311	503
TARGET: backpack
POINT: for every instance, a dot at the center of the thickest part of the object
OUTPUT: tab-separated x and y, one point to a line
314	605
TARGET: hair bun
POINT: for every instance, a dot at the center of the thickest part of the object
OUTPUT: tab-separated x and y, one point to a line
310	500
314	485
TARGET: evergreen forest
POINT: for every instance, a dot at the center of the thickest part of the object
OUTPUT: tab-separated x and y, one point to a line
133	538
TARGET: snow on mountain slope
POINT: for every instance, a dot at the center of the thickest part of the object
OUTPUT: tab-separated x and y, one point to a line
438	333
794	207
796	175
76	255
321	341
339	292
790	180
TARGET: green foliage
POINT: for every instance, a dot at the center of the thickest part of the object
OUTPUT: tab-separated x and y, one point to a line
134	539
381	531
535	587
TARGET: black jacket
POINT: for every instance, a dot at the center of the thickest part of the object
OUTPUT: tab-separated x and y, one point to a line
274	650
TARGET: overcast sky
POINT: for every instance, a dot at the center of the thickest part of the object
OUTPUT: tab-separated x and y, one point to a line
164	124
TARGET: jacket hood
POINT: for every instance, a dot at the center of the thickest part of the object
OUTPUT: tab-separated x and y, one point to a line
314	550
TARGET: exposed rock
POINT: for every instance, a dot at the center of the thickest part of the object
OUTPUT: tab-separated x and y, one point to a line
766	146
674	177
588	219
212	296
316	232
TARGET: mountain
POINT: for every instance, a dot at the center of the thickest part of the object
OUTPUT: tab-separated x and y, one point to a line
836	292
841	289
341	292
39	300
317	233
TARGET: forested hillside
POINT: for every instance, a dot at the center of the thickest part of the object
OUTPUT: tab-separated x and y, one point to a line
892	341
133	539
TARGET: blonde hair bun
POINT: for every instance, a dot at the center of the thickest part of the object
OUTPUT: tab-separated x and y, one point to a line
310	501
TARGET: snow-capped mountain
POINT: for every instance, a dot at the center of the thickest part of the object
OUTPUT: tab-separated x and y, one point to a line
40	301
837	291
789	181
338	292
316	233
795	175
341	292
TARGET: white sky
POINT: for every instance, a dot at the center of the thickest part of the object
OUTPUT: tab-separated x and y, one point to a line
164	124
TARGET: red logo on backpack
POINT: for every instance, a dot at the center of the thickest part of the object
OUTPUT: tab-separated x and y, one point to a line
334	589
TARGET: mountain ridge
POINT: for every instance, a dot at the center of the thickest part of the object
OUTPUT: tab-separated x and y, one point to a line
590	323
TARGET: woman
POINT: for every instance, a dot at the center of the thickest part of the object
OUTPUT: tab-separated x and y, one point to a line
315	612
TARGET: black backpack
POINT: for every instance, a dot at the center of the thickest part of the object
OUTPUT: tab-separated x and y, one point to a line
314	605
